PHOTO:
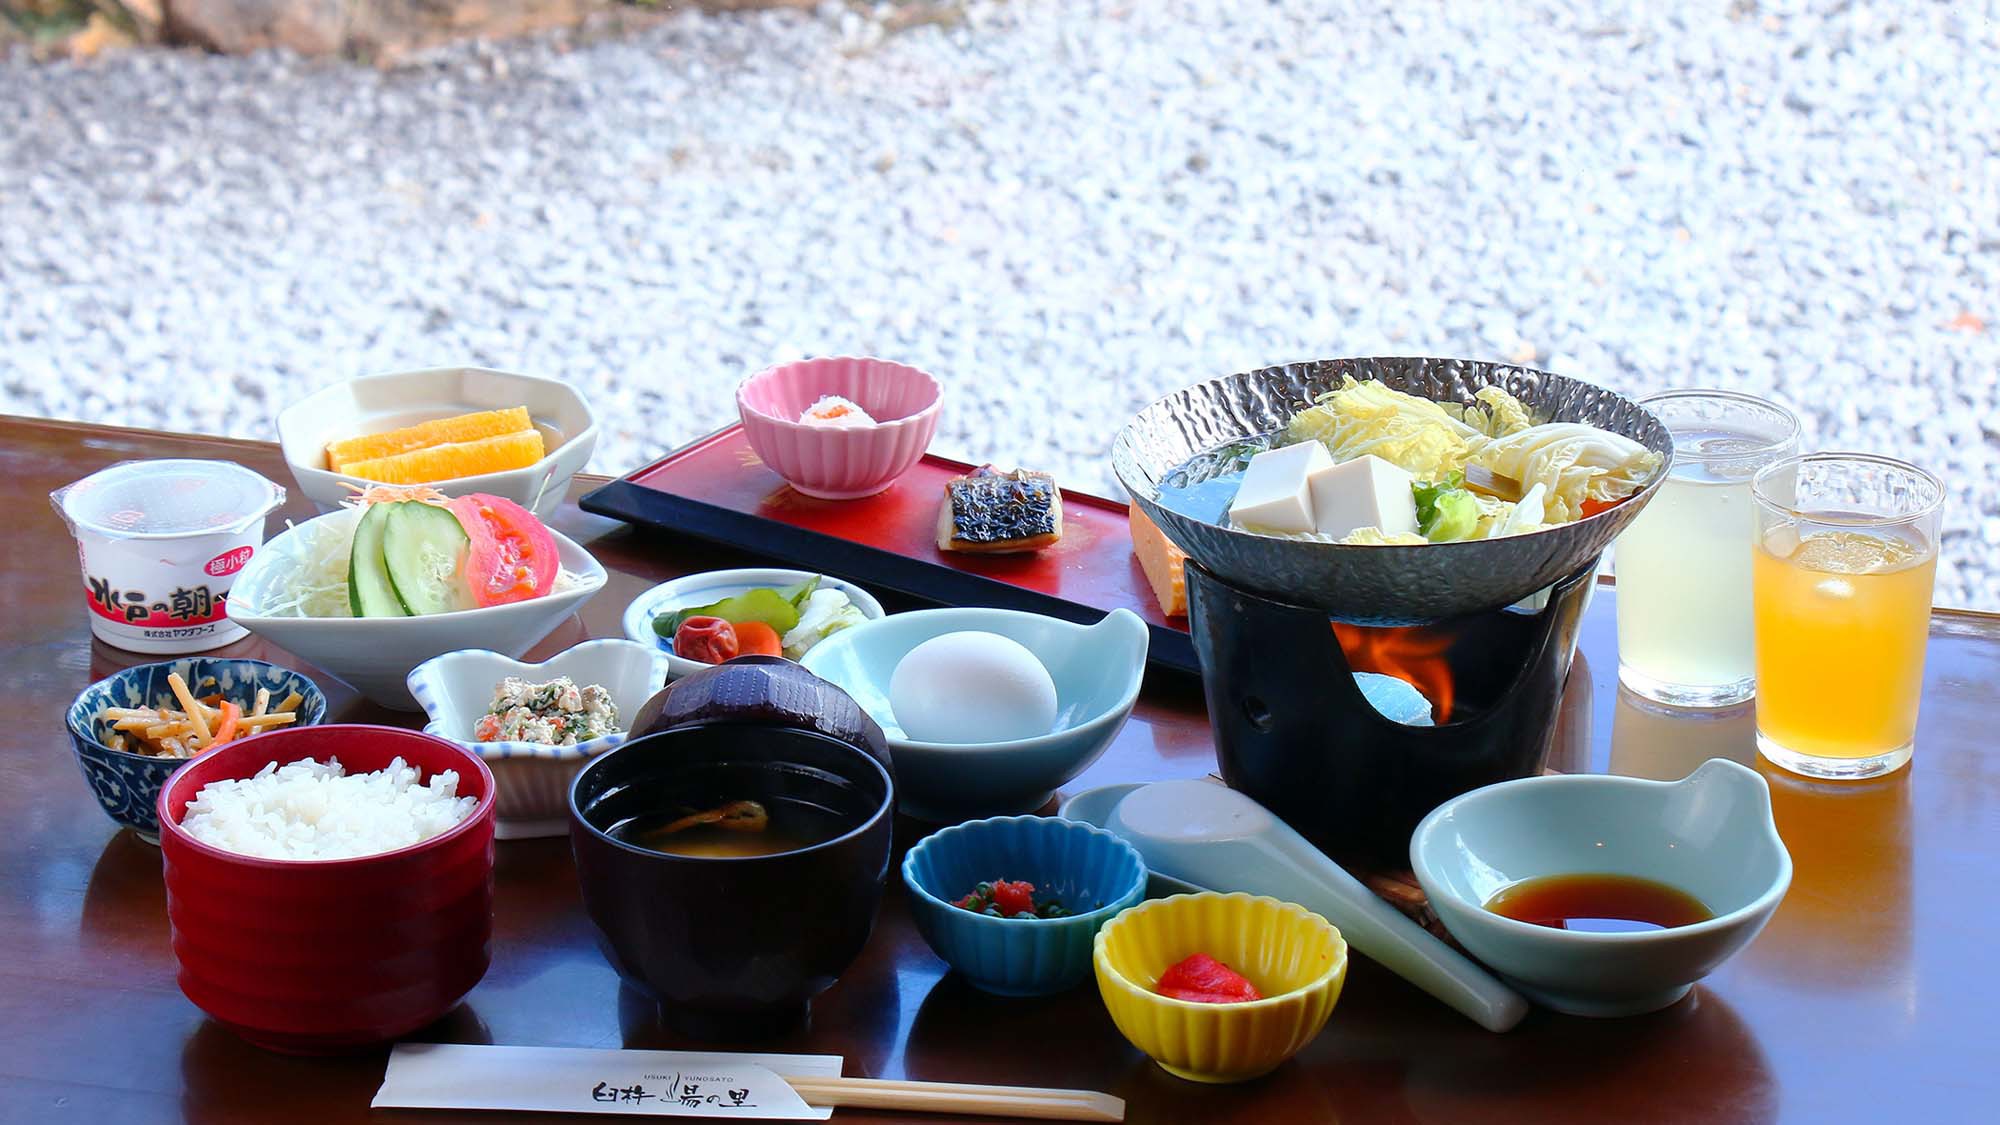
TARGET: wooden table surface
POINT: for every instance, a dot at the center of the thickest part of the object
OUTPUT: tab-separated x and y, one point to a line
1871	996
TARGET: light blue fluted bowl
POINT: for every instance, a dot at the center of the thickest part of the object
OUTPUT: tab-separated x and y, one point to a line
1094	874
1097	671
1710	834
127	784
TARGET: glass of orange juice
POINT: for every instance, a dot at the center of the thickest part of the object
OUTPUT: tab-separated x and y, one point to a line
1841	587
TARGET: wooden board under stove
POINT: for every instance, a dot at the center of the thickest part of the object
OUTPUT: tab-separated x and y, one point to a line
717	489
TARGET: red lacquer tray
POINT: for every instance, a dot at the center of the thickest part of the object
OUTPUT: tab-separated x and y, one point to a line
717	489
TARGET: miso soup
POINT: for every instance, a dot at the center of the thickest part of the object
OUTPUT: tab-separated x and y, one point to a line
787	826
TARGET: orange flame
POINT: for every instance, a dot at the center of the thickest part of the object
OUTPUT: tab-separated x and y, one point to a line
1413	655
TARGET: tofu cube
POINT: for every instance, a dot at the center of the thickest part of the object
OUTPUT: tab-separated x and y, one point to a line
1276	494
1364	492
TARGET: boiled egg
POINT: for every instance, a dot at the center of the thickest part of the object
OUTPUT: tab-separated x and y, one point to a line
972	686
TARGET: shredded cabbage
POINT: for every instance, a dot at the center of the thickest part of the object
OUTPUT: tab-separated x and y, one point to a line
1529	514
1504	413
1376	537
1573	462
1559	464
1416	434
317	552
826	611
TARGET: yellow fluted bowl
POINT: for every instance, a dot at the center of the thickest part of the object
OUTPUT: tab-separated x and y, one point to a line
1296	958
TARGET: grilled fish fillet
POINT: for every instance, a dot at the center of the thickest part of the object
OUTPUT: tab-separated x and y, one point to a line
985	512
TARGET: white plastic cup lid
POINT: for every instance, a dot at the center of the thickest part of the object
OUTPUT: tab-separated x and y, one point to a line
160	499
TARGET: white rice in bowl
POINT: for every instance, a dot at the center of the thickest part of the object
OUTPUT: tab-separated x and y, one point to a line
309	810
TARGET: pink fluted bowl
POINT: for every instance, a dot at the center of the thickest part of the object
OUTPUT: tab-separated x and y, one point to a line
836	464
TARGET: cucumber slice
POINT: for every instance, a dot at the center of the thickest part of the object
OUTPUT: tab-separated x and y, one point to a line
369	593
424	550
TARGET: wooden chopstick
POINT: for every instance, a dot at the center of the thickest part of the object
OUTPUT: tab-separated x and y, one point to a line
956	1097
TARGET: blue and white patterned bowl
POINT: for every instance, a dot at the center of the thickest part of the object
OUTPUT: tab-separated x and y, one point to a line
126	783
1090	871
532	780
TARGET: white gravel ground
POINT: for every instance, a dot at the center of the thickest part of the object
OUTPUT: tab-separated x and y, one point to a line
1062	207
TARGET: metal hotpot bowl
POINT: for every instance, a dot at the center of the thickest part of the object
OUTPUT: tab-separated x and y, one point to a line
1376	585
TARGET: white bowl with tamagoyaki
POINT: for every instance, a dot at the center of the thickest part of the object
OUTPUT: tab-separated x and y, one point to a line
376	404
302	590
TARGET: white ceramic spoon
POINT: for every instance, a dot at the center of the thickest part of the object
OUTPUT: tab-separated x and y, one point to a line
1214	836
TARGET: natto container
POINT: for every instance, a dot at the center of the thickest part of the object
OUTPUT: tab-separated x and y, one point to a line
160	543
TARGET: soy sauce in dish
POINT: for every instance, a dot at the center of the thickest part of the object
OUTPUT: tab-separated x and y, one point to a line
1601	904
733	829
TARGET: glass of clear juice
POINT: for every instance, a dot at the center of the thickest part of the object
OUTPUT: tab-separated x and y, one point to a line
1846	555
1683	566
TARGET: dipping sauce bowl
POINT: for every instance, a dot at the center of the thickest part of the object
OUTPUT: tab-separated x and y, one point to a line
1710	834
327	956
733	947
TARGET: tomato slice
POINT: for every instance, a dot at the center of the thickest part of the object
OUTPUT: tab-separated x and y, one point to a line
512	556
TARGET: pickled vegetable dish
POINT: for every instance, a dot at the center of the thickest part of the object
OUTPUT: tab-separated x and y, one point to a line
763	620
1003	898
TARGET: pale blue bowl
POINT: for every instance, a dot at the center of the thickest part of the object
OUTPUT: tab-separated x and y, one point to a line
1097	670
1092	873
1710	834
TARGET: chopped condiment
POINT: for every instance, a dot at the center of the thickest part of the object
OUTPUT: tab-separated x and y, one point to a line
836	413
1001	898
1204	980
557	713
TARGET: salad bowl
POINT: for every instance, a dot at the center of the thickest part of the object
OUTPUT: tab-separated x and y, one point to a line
714	585
532	779
376	403
1710	834
377	654
1097	671
1376	584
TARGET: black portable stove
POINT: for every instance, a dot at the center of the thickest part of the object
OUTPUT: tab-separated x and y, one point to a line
1293	730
